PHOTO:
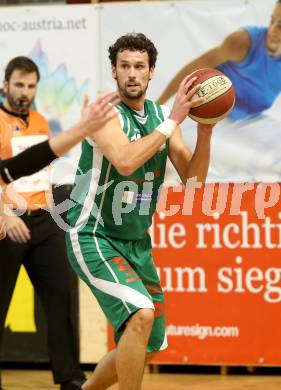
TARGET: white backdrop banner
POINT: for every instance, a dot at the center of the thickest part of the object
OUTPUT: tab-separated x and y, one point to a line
247	150
63	41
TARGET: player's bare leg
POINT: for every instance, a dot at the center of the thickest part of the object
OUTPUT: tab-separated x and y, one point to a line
104	375
126	363
131	351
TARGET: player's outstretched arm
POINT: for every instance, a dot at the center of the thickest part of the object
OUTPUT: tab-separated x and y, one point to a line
94	117
235	47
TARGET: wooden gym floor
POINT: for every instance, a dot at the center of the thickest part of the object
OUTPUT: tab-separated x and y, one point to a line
42	380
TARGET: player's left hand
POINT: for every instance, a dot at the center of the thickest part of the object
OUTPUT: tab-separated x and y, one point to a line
95	115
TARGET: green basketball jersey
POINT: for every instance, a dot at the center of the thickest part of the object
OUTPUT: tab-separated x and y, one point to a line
108	204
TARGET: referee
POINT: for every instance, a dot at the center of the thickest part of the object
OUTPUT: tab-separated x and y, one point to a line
34	239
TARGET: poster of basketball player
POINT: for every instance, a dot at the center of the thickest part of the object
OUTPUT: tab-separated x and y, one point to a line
52	36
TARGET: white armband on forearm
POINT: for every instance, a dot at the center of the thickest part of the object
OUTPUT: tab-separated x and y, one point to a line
167	127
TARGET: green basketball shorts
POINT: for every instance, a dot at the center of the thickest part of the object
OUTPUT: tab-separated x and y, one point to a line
123	278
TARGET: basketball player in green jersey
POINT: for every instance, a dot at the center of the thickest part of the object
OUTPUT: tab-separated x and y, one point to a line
120	172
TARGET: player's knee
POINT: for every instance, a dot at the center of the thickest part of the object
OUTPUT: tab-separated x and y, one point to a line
142	320
145	316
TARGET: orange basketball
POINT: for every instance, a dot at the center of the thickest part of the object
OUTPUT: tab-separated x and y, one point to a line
217	93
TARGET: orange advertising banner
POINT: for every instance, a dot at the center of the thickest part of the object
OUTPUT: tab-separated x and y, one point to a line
217	250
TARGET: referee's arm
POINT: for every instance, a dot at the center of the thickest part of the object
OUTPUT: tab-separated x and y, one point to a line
26	163
33	159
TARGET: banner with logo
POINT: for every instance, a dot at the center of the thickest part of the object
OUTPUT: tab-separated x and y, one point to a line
220	269
217	251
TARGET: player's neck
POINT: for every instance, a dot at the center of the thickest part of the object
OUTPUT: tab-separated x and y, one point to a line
134	104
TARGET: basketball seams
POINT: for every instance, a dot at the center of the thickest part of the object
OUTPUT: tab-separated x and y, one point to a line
215	100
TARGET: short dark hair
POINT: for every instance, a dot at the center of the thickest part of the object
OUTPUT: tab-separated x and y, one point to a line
21	63
133	42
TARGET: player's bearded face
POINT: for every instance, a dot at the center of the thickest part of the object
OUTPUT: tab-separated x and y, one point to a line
132	73
273	37
20	91
132	89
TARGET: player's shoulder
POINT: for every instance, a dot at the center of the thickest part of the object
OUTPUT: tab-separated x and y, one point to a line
237	40
235	46
255	31
244	37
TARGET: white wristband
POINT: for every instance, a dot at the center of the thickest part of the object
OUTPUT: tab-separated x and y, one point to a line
167	127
